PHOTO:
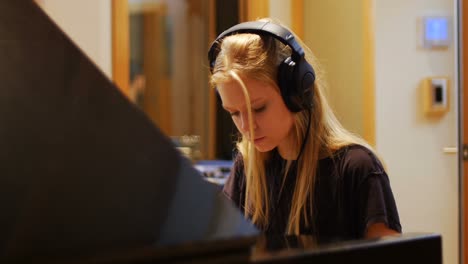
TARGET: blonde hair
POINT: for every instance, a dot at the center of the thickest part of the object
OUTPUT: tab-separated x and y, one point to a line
257	57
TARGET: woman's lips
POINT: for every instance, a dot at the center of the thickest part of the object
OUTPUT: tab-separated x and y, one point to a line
258	140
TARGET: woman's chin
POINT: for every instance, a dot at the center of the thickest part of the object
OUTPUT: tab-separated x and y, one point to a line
264	148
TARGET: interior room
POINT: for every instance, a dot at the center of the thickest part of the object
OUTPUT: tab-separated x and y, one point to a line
394	72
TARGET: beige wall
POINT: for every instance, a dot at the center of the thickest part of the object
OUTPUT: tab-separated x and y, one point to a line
425	180
88	24
281	11
333	30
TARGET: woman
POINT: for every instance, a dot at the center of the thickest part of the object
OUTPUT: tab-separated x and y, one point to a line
297	170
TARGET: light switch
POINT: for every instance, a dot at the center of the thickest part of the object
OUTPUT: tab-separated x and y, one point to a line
435	95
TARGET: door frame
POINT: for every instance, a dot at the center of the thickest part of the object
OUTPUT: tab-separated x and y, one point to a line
463	127
120	45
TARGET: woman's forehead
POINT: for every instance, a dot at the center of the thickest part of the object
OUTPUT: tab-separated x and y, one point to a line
232	94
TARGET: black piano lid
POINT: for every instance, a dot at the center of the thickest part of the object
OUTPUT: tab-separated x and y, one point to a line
83	171
407	248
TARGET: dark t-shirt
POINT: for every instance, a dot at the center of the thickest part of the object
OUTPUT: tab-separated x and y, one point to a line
352	191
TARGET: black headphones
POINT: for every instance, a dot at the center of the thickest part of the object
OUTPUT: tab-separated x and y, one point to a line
295	75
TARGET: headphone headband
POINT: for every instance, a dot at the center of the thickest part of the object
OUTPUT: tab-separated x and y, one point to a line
260	28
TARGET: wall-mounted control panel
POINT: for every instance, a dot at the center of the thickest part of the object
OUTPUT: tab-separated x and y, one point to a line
436	32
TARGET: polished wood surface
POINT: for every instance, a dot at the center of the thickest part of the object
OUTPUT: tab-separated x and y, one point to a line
252	10
120	45
297	17
368	93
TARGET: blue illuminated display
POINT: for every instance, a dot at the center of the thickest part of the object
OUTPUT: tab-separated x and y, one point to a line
436	29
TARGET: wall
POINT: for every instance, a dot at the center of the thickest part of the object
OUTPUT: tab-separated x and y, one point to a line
424	179
281	11
333	30
88	24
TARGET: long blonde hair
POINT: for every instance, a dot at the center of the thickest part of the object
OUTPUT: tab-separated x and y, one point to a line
257	57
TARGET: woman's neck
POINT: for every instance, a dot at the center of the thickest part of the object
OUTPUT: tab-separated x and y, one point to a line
286	148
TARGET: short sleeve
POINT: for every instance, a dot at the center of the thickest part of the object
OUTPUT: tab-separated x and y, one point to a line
370	191
377	202
234	188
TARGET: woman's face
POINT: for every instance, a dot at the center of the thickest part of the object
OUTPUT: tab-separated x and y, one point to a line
272	121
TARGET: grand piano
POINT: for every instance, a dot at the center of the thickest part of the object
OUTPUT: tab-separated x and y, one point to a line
86	177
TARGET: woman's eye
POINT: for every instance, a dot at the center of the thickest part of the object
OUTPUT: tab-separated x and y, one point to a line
255	110
260	109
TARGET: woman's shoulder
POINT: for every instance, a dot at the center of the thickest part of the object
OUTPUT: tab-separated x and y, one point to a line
358	161
358	155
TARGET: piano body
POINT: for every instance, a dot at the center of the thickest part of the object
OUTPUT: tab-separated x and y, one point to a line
86	177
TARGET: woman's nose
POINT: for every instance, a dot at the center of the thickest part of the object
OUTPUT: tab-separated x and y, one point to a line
245	124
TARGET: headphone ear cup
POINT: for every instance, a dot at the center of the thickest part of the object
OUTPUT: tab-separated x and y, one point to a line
288	85
305	78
